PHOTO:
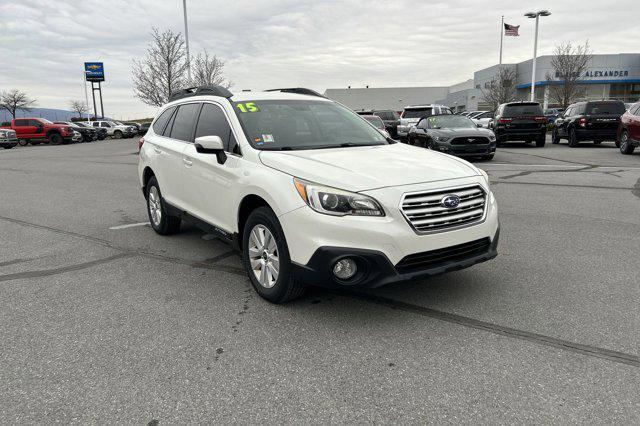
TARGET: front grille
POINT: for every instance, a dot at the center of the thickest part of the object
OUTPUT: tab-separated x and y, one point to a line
425	212
470	141
441	257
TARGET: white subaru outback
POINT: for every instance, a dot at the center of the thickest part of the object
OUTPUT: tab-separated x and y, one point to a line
310	192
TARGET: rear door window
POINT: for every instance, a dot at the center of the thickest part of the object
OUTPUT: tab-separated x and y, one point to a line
20	123
184	122
522	109
162	120
213	122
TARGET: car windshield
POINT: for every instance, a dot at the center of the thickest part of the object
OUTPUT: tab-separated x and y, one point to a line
595	108
375	120
113	123
417	113
449	122
522	109
303	124
44	120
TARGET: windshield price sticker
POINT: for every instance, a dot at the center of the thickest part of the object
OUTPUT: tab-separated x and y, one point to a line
248	107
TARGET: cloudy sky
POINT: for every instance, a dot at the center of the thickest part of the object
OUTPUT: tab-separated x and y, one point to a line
310	43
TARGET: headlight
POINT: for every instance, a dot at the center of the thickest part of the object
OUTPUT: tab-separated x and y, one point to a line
441	138
4	134
492	138
336	202
486	176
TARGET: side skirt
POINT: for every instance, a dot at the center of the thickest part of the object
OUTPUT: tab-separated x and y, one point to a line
231	238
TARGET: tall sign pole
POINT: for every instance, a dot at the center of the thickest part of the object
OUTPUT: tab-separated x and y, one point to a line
501	38
533	67
186	37
86	96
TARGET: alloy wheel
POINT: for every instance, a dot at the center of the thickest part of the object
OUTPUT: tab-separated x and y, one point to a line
263	256
154	206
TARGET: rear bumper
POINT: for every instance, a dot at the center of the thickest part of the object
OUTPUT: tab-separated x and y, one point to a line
376	270
590	134
519	134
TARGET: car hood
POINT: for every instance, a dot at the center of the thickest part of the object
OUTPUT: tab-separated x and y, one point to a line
369	167
467	132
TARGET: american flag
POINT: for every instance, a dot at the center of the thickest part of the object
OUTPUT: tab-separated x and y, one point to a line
511	30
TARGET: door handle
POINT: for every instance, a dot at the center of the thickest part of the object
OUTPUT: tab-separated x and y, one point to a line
156	150
187	162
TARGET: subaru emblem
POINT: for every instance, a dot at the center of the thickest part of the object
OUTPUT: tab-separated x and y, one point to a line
450	201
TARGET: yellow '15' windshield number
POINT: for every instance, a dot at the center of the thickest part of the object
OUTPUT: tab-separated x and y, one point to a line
247	107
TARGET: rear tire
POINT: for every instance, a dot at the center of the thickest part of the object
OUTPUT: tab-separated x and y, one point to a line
555	138
117	134
541	141
626	147
161	221
265	257
597	142
573	139
488	157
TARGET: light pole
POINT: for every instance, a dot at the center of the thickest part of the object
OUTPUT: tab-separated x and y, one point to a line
186	38
537	16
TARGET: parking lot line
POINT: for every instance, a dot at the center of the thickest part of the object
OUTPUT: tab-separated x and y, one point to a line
561	166
129	225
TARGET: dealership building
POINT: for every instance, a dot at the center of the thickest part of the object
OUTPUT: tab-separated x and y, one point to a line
615	76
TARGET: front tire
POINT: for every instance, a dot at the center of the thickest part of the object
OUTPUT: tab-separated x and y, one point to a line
626	147
117	134
597	142
55	139
265	257
23	142
161	221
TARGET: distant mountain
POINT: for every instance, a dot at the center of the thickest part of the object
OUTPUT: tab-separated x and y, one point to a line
48	113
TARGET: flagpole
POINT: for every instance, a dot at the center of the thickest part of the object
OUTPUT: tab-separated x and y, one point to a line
501	37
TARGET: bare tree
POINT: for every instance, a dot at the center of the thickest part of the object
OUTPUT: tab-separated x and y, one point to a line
208	71
570	63
501	88
163	70
13	100
78	107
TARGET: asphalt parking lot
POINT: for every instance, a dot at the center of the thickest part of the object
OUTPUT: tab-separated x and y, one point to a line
102	320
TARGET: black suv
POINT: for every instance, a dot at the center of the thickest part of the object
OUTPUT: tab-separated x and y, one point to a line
389	118
520	121
588	121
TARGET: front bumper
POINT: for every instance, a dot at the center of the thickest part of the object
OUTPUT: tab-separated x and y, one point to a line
376	270
466	150
8	142
308	232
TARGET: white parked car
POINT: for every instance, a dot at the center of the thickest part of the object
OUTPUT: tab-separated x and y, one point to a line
412	114
115	130
311	193
482	118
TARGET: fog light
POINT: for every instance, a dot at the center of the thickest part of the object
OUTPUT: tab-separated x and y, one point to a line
345	269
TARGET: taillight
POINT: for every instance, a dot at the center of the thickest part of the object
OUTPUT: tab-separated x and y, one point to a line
582	122
140	143
504	120
541	119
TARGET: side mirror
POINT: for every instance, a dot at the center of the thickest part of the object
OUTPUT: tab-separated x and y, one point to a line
211	145
479	125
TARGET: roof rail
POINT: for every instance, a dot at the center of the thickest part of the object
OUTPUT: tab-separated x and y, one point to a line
201	91
298	90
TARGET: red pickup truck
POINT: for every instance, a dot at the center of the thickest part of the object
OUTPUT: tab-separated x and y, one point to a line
37	130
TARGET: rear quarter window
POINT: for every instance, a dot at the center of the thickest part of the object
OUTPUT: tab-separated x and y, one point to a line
162	120
595	108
